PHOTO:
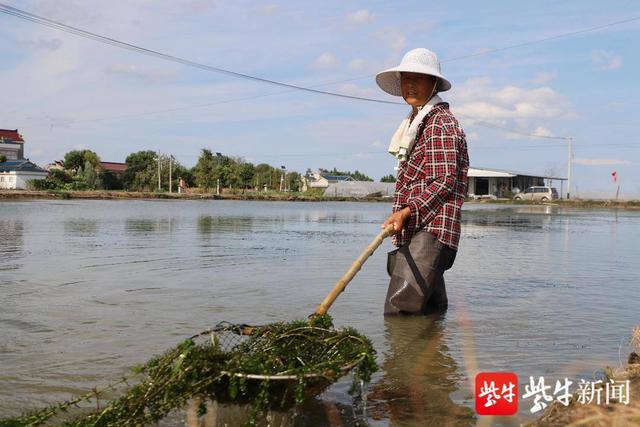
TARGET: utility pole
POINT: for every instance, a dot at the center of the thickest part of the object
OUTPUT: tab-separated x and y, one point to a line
569	167
218	160
159	182
170	183
282	179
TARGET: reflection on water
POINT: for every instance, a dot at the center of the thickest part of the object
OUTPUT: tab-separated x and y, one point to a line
417	379
314	413
11	243
208	225
143	226
80	227
418	376
91	288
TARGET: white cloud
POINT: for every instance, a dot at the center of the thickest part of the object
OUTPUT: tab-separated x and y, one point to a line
376	144
544	77
362	16
606	60
600	162
326	61
481	99
540	131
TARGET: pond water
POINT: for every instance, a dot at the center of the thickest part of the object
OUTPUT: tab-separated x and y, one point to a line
90	288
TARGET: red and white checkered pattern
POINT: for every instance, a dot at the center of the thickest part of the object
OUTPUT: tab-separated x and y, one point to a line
432	182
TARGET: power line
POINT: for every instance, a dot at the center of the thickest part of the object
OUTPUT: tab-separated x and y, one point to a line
9	10
189	107
514	131
545	39
150	52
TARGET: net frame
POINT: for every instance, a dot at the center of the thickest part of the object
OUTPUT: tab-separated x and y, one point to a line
228	336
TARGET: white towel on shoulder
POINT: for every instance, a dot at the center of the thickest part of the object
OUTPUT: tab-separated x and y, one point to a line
403	139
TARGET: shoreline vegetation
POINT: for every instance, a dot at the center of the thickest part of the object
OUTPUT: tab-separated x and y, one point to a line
283	196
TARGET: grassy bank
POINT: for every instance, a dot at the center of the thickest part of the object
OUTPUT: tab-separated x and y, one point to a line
127	195
294	197
572	203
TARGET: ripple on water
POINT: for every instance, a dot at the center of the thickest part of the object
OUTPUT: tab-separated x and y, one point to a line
95	287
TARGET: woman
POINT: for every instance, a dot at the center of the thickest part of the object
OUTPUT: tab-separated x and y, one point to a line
432	181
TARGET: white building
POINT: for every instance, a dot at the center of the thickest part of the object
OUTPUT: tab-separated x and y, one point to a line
504	183
321	179
14	174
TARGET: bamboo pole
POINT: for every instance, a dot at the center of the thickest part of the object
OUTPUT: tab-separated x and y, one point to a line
351	273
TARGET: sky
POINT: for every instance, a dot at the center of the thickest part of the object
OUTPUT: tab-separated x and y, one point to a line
63	92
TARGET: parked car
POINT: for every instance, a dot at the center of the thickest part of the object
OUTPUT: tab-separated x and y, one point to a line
538	194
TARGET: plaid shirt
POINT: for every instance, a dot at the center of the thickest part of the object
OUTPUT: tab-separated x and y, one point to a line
432	182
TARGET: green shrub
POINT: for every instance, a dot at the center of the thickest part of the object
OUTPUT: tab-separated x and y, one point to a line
42	184
314	192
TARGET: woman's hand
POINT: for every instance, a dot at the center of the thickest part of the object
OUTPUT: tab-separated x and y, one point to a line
397	219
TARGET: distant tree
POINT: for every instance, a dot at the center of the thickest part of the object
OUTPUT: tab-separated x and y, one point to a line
388	178
92	158
205	170
169	167
76	159
60	176
234	180
73	160
294	181
358	176
111	181
142	171
185	173
247	171
262	174
90	175
190	176
225	171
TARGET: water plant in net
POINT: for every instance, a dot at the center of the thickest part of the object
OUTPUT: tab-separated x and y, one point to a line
277	366
273	366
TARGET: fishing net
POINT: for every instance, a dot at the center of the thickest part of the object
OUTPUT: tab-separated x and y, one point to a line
271	367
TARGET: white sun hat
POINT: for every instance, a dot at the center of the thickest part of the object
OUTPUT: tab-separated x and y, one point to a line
419	60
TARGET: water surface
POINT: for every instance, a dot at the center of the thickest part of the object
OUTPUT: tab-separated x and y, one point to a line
90	288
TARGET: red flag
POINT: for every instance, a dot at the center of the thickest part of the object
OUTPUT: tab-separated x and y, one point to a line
614	174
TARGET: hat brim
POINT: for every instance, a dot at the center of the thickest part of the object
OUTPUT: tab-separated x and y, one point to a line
389	80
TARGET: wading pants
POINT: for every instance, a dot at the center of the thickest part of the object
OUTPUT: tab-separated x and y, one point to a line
416	270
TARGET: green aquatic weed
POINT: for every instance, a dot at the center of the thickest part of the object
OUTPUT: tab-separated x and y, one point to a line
309	354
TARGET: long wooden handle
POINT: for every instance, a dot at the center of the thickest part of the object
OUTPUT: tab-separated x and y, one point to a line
351	273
